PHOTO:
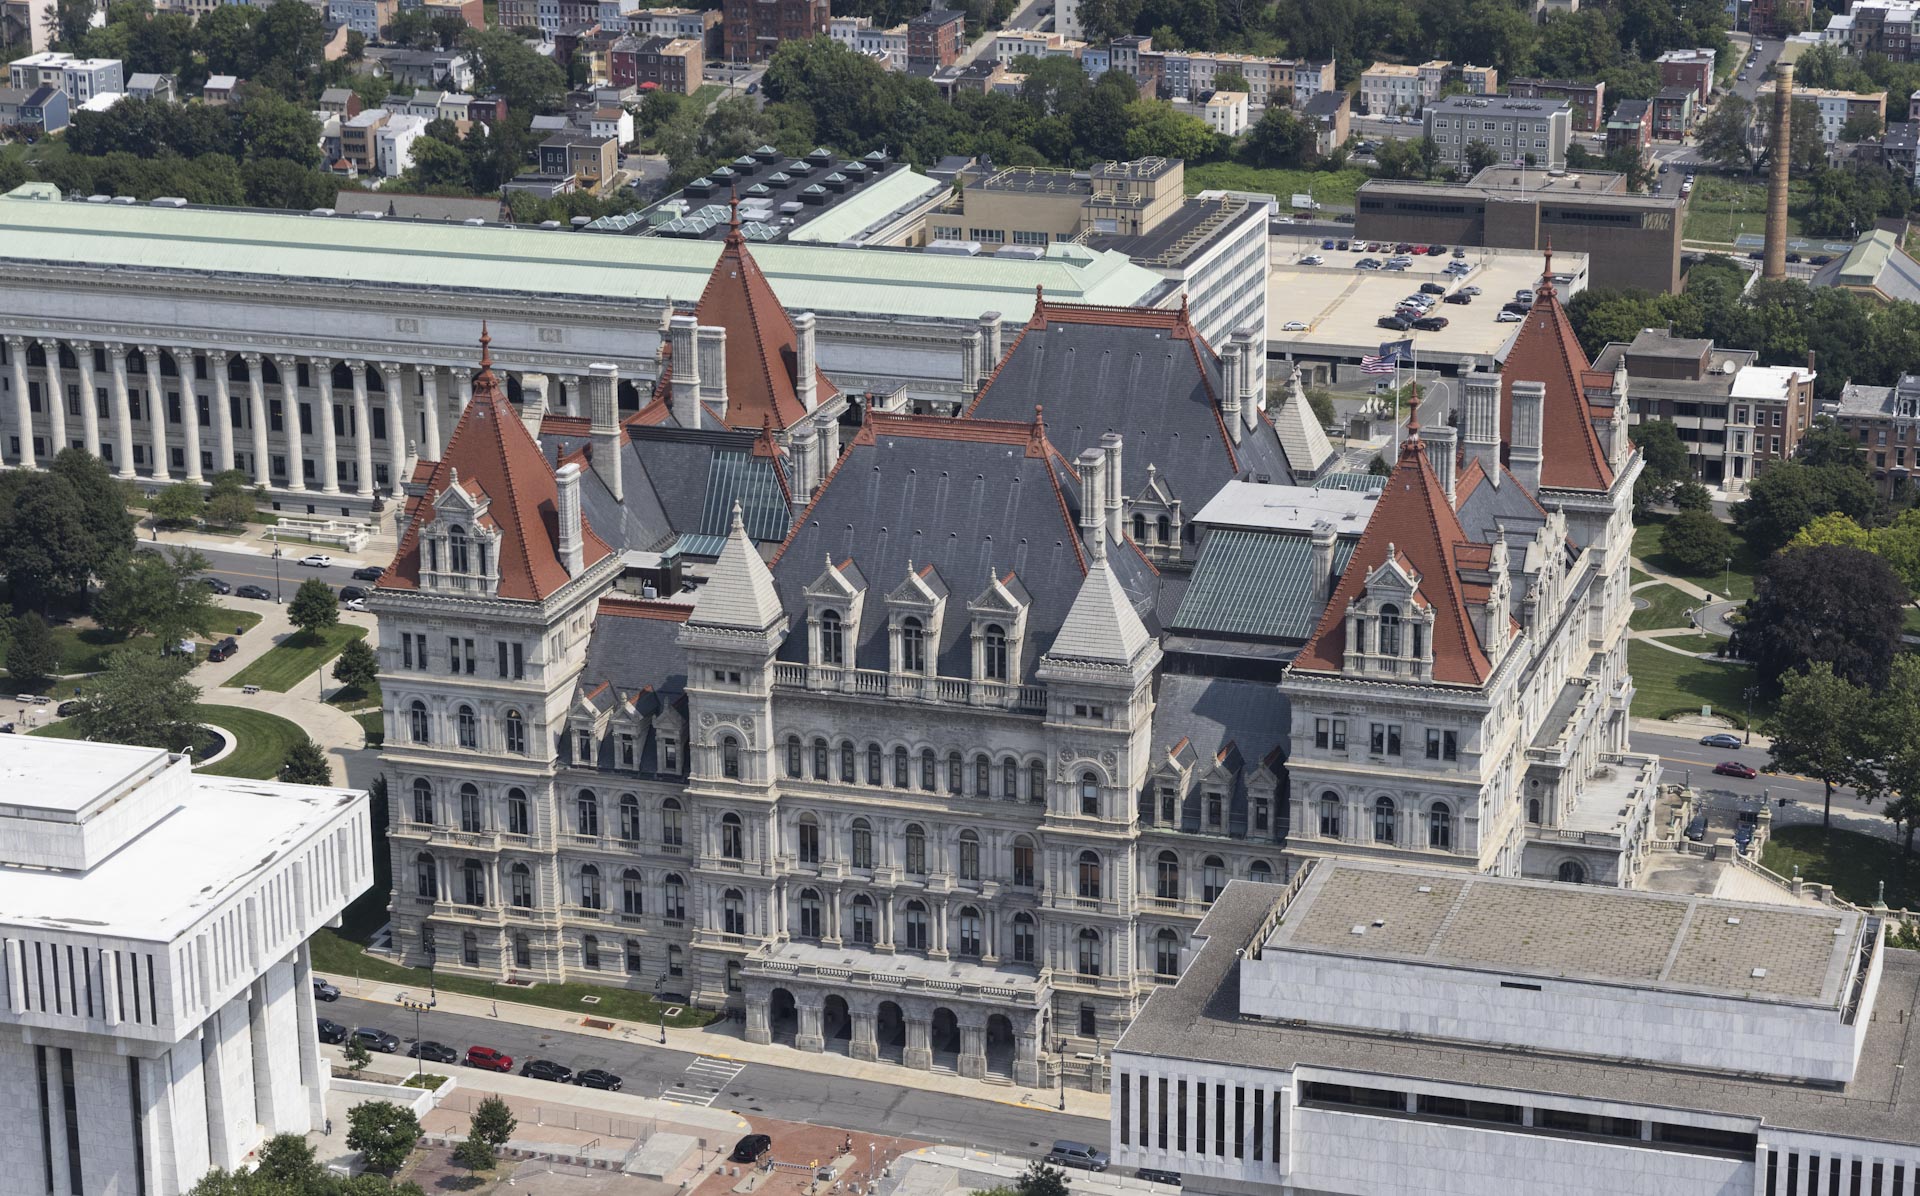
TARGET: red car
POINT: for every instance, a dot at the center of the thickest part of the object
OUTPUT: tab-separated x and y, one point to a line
489	1059
1733	768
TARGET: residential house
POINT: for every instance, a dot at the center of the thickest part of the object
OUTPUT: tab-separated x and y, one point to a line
218	89
1886	419
146	85
1331	112
1630	126
1674	109
934	39
421	68
1689	68
1226	113
369	18
472	12
81	78
752	29
615	123
1587	101
1534	131
28	24
393	142
340	101
589	160
668	64
1390	89
359	139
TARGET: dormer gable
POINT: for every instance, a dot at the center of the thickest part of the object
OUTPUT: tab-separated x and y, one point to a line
999	629
835	601
915	610
460	542
1390	624
1155	517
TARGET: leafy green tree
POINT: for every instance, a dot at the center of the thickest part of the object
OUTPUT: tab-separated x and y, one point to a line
1789	495
1280	138
356	667
1819	729
269	126
305	764
1041	1180
384	1133
141	698
493	1122
1832	528
1861	126
1696	542
1826	604
474	1154
314	607
1666	464
531	82
1692	496
1480	155
159	593
1722	136
31	656
229	510
356	1056
1231	81
179	504
1827	443
47	546
287	1161
1158	129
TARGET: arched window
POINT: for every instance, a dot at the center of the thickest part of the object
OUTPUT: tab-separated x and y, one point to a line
1139	528
520	886
586	816
1533	810
970	931
516	733
982	777
1089	869
806	839
956	774
470	949
927	768
793	755
423	801
1166	953
522	951
969	856
1036	782
632	892
674	898
833	641
1163	529
470	809
1010	779
819	759
590	896
1087	962
1213	879
730	757
901	768
1383	820
1440	827
1166	879
732	837
425	881
671	829
846	762
873	764
733	908
417	722
590	953
473	883
809	914
916	924
913	646
1329	815
468	726
635	964
1389	634
517	820
862	920
1089	795
1023	868
629	818
916	850
1572	873
861	849
676	961
1261	871
993	652
457	548
1023	938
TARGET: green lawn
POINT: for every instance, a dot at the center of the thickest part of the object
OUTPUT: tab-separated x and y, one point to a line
352	700
1695	643
1721	208
1328	187
1635	577
1910	620
374	724
1853	863
1667	684
339	958
1738	582
1667	607
261	740
296	657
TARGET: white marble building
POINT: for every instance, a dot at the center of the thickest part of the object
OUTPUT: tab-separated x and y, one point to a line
156	1001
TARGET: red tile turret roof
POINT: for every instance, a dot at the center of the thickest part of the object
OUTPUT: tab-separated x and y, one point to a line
761	347
1546	351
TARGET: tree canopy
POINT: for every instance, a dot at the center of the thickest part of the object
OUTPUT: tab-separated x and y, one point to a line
141	698
1828	604
1789	495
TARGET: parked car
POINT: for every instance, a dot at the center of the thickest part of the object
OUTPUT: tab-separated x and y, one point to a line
1404	247
1469	290
1312	259
357	605
1458	297
1508	317
225	648
349	593
1294	326
1742	835
1397	264
1366	263
1343	245
1067	1153
1396	323
1436	250
1459	252
1697	828
488	1059
1326	244
317	560
1720	739
751	1149
322	991
1733	768
1517	309
1430	323
546	1069
1155	1176
433	1052
370	573
1432	288
331	1031
1663	168
217	585
376	1040
594	1077
260	592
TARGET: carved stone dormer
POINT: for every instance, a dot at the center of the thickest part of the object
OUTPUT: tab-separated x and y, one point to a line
999	629
1390	625
460	543
834	603
1169	783
1495	620
914	613
1154	517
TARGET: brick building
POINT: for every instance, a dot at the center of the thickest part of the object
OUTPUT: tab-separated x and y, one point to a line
752	29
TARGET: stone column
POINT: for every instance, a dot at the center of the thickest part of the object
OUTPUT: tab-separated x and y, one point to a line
289	368
1026	1062
322	369
56	398
156	412
862	1045
809	1037
363	429
222	413
190	415
314	1079
396	431
430	445
941	944
22	405
919	1052
973	1052
89	405
122	411
257	406
757	1028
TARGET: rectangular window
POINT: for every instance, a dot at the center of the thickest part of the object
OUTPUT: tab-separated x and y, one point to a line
46	1113
1239	1122
1126	1109
1220	1119
140	1131
1259	1124
1339	734
1180	1122
519	663
500	656
1200	1121
1321	733
406	649
1143	1110
1160	1111
70	1095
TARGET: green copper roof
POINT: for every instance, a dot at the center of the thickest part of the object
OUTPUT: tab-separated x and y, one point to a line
1255	584
35	225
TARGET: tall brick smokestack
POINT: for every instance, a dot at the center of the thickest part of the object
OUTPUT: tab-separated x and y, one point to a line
1774	265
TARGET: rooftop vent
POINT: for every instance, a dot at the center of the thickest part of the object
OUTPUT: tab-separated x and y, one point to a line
321	212
1759	973
167	201
1733	921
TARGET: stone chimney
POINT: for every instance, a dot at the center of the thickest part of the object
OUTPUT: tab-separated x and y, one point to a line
828	428
713	368
572	546
1116	496
1093	502
685	401
804	361
1482	436
801	447
1617	443
1774	265
1494	617
1323	538
603	410
1251	400
533	402
1442	456
1230	367
1523	454
989	343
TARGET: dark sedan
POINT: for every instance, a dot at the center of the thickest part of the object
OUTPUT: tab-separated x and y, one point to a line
331	1031
593	1077
546	1069
1720	739
369	572
433	1052
260	592
217	585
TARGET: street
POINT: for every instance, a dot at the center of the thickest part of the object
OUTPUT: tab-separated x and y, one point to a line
257	568
817	1097
1686	761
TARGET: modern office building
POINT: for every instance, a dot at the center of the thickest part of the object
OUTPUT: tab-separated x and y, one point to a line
1369	1031
157	1017
1530	132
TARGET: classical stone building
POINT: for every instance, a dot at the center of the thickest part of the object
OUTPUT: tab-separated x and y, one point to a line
931	738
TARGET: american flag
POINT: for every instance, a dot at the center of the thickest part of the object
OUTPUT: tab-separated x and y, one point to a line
1387	359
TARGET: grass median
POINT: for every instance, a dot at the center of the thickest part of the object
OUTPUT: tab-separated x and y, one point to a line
1853	863
1666	684
261	740
296	657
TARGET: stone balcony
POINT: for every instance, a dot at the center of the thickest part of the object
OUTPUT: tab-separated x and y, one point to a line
878	683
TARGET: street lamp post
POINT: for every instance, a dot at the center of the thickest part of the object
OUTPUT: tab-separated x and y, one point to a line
1726	579
419	1008
276	574
1748	694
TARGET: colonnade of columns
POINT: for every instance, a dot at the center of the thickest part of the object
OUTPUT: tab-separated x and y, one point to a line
914	1031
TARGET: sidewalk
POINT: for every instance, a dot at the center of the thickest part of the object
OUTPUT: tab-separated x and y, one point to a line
258	539
722	1040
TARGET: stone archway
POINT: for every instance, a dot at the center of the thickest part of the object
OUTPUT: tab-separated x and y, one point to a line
1000	1045
836	1024
890	1032
783	1016
943	1039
